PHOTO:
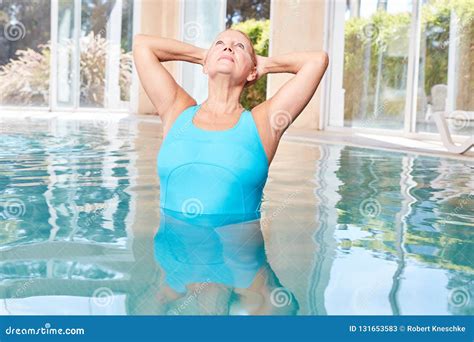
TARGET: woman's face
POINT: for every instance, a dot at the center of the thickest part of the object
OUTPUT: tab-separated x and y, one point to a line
230	53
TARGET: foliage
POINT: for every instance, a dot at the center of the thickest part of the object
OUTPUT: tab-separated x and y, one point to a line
94	50
365	40
243	10
380	44
35	17
259	33
25	80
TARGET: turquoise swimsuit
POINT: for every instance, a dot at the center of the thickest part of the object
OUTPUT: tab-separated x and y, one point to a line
212	172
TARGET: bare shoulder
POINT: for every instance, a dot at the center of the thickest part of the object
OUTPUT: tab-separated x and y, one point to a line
262	120
174	111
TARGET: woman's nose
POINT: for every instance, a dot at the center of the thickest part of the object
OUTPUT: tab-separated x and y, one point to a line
228	48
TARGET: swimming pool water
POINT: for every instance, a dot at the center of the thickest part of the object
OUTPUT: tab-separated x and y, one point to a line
343	230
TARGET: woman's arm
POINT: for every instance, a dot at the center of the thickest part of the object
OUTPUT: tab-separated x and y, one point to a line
148	53
290	100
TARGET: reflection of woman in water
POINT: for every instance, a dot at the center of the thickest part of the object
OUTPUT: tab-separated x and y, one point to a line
216	264
215	155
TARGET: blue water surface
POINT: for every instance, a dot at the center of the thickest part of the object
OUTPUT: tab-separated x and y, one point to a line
343	230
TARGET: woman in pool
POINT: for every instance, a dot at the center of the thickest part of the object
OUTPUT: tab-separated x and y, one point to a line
207	265
215	155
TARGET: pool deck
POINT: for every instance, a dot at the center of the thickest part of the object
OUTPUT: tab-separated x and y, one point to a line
306	136
376	141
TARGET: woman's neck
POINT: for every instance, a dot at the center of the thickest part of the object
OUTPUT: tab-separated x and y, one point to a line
223	98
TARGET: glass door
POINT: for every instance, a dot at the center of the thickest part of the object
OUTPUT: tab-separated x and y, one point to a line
370	63
92	58
64	73
396	64
445	80
24	53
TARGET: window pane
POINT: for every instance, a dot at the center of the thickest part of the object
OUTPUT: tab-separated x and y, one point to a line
101	57
24	52
376	44
94	16
446	83
65	51
202	21
126	52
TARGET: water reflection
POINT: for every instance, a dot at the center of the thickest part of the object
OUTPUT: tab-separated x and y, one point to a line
216	264
69	182
344	230
401	222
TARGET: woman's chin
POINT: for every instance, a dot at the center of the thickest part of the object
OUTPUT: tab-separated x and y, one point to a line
224	68
221	71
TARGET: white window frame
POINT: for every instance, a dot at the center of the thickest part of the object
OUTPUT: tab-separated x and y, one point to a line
118	105
337	56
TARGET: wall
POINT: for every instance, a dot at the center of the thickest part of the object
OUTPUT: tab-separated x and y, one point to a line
157	17
297	25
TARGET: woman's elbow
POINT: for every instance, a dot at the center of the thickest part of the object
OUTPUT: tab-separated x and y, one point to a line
318	60
321	58
137	40
324	58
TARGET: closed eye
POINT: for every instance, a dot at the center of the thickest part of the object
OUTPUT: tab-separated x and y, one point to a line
219	41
